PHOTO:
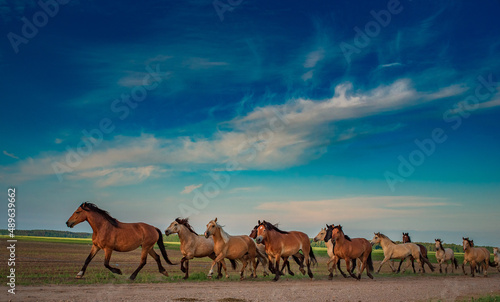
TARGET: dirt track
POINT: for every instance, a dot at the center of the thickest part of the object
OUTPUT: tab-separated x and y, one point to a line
409	288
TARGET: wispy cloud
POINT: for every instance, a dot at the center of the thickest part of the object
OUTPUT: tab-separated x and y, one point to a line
10	154
190	188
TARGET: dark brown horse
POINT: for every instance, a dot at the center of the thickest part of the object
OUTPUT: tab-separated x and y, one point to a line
423	251
351	249
299	258
284	244
111	235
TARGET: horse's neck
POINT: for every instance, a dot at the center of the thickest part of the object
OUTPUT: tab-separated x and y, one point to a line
386	242
96	221
341	240
186	235
220	237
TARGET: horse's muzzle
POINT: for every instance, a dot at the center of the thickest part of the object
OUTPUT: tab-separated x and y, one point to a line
258	239
167	232
207	235
70	224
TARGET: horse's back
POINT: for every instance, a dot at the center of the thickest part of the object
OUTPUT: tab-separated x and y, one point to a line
129	236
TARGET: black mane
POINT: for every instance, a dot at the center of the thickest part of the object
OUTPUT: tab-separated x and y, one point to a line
185	222
329	231
271	227
88	206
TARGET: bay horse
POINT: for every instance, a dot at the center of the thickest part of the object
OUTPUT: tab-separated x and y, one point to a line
398	251
330	245
192	245
299	258
284	244
475	256
111	235
423	251
241	248
443	255
351	249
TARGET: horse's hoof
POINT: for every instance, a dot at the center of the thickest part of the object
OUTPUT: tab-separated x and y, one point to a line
265	274
164	273
330	277
131	278
79	277
210	277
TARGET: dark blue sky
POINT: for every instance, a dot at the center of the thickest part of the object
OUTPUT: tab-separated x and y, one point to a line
300	112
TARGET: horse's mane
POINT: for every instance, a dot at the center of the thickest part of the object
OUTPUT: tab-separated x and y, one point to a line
383	236
88	206
273	227
225	236
185	222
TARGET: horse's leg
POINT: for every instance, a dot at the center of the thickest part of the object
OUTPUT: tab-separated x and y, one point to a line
211	271
413	265
399	267
144	256
277	266
391	265
382	263
288	268
183	269
348	267
463	266
285	262
107	257
158	261
308	263
472	267
93	252
242	272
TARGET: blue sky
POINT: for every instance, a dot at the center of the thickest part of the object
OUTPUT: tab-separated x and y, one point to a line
377	115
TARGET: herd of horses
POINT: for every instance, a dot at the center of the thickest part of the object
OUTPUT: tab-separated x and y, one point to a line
266	244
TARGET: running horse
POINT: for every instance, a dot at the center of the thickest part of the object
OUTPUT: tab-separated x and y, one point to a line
241	248
284	244
475	256
111	235
299	258
423	251
351	249
192	245
330	246
399	251
443	255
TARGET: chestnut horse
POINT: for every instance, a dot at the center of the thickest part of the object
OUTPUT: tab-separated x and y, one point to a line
299	258
241	248
351	249
423	251
111	235
475	256
284	244
443	255
192	245
399	251
330	246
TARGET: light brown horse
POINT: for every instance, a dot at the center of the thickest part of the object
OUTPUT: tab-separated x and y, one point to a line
423	251
475	256
330	245
284	244
299	258
496	258
443	255
241	248
111	235
399	251
192	245
351	249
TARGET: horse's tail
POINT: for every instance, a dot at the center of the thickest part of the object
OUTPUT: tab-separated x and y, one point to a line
311	255
369	261
455	262
426	260
162	247
234	264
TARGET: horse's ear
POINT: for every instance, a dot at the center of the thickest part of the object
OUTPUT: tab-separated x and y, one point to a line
326	225
215	219
258	222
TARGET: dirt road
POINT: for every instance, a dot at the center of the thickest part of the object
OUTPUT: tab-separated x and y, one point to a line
409	288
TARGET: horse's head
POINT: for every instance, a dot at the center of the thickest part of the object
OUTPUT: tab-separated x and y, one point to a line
376	239
466	243
321	235
253	233
78	216
337	232
261	232
406	237
211	228
438	243
328	234
495	251
173	228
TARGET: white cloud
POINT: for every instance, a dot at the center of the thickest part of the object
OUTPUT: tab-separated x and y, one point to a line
58	141
10	154
190	188
119	176
314	57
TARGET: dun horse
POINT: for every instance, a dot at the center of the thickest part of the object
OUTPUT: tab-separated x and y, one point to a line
351	249
241	248
111	235
423	251
192	245
399	251
284	244
443	255
496	258
475	256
